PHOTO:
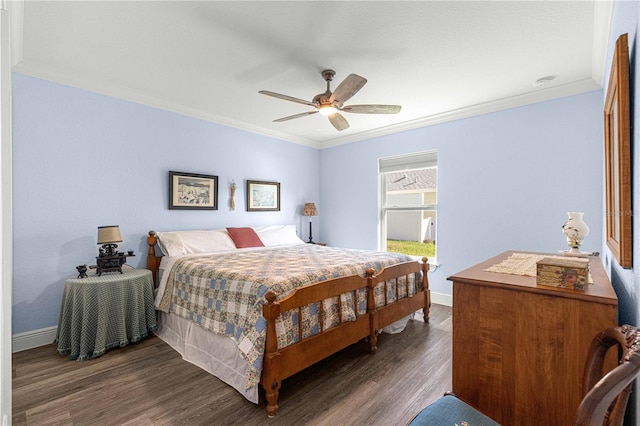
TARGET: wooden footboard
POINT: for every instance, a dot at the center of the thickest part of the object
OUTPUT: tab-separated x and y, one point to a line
392	312
280	363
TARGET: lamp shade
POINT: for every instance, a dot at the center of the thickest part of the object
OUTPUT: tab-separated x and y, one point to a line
309	210
109	234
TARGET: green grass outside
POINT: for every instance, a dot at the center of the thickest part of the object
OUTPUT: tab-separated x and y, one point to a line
412	248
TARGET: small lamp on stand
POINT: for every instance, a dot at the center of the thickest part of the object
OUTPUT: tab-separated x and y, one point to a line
108	236
109	259
310	210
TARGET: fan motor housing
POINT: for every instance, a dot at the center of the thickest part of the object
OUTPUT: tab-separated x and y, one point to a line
322	98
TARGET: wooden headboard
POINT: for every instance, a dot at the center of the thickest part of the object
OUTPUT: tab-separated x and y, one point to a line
153	261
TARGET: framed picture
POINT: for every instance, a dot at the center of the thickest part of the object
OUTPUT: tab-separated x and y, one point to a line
193	191
263	196
617	150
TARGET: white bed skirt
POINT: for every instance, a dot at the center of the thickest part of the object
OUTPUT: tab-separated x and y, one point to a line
219	355
215	354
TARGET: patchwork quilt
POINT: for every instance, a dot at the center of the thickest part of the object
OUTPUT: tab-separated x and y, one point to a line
224	292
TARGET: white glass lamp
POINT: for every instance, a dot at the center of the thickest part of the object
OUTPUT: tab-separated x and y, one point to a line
575	231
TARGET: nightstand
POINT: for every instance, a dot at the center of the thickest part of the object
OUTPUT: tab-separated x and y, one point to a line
102	312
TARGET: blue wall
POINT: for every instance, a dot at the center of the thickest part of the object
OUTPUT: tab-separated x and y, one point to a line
82	160
505	182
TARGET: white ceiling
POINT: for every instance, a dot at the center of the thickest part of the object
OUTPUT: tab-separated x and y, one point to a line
440	60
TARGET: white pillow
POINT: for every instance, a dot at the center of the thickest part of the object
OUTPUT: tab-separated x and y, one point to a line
177	243
276	235
170	244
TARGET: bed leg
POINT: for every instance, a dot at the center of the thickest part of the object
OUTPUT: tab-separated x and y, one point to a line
373	335
272	398
372	312
427	305
425	289
271	364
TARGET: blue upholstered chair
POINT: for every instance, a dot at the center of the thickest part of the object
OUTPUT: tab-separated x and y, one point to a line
604	403
450	411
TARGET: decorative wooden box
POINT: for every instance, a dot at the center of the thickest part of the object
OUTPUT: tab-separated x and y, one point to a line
570	273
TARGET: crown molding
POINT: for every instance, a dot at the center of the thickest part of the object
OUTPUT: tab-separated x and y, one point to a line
583	86
153	102
602	19
540	95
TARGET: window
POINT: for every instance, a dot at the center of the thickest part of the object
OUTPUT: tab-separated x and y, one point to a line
408	204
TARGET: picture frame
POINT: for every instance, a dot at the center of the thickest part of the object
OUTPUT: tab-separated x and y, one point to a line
192	191
263	196
617	150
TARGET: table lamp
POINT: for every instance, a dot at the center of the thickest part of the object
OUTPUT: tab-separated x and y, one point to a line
310	210
108	236
109	259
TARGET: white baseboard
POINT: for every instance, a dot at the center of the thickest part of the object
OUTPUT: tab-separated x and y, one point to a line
33	339
442	299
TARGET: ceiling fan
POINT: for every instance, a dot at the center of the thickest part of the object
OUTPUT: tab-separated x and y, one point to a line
331	103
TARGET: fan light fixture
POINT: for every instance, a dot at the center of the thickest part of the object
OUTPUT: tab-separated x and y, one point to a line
328	110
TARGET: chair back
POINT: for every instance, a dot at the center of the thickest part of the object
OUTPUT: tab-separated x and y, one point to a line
606	397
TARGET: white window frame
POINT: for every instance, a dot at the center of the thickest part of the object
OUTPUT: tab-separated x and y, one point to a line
414	161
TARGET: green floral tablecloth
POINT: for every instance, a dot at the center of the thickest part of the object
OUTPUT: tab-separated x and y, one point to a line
98	313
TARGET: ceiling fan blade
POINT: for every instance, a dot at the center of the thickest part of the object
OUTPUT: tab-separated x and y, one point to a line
287	98
372	109
291	117
338	121
347	89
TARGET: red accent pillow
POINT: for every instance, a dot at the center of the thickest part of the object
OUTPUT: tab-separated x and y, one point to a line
244	237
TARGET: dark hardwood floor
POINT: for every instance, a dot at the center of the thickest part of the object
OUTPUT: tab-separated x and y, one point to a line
147	383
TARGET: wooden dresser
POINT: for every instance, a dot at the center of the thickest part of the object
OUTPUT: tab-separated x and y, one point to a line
519	350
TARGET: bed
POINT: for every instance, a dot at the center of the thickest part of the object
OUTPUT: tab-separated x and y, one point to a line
257	305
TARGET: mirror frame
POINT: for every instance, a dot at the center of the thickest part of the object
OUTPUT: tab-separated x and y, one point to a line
617	150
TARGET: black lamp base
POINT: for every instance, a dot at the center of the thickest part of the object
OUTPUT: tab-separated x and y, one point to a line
310	234
108	250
